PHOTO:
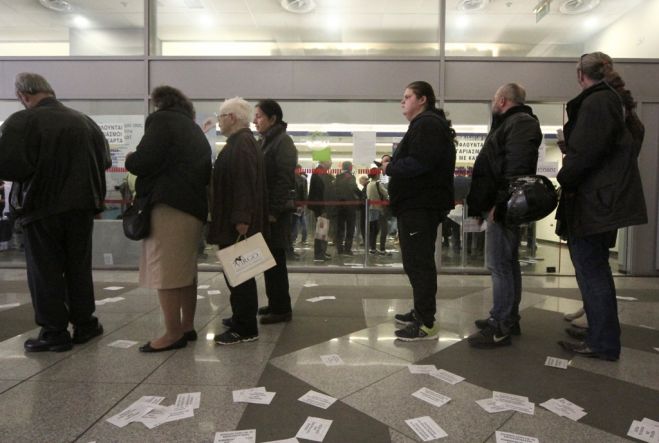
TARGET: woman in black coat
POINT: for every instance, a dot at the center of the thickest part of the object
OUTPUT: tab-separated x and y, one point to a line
280	155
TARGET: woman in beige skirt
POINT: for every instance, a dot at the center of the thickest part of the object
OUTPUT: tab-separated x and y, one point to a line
172	164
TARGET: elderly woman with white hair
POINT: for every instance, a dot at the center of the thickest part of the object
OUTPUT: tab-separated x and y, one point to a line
238	207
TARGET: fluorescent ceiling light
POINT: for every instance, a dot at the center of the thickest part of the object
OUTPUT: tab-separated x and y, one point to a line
80	21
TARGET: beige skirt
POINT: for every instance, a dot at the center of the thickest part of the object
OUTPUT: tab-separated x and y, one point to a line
169	254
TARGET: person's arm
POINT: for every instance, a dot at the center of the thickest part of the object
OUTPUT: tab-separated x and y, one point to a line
596	131
522	140
284	178
244	170
426	144
17	160
151	154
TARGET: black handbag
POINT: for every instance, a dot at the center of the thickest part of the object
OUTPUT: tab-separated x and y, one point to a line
530	198
137	219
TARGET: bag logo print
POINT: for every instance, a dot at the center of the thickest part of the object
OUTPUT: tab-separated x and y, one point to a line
247	261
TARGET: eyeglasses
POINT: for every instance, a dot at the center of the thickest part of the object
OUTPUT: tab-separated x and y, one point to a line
222	115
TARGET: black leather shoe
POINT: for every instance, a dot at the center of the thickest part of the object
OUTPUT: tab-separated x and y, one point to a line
84	334
178	344
577	333
264	310
49	341
190	335
582	349
276	318
514	328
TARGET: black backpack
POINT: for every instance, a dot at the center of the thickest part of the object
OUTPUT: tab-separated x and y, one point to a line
530	198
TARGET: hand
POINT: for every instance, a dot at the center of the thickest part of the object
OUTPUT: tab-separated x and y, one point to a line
242	228
561	145
208	124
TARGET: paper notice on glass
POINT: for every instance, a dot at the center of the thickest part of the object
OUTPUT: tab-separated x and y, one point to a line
214	292
363	151
314	429
113	288
509	437
203	286
490	405
190	399
132	413
555	362
447	376
644	432
246	436
422	369
432	397
332	360
124	344
426	428
317	399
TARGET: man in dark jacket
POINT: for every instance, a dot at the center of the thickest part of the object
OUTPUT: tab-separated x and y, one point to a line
347	194
510	149
321	190
601	192
56	158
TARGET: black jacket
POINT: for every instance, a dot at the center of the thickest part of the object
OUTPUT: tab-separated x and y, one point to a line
280	159
173	162
422	166
56	157
510	149
321	189
345	187
600	180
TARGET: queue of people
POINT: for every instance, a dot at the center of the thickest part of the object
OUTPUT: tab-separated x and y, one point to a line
251	185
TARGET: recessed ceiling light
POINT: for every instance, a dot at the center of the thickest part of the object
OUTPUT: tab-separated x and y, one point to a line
572	7
80	21
57	5
298	6
471	5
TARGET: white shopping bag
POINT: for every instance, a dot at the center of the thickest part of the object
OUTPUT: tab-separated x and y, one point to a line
322	229
246	259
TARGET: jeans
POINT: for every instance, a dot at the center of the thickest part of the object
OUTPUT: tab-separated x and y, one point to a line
417	235
590	256
502	244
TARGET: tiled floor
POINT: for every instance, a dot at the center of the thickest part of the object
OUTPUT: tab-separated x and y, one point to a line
64	397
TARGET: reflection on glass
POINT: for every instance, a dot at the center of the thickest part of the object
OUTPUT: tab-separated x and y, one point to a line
297	28
564	28
71	27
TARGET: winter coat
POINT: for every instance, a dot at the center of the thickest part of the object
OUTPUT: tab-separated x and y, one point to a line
422	166
172	162
345	187
238	192
321	188
280	159
510	149
56	157
600	180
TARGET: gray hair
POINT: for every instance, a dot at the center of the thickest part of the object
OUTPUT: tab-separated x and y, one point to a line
31	83
239	108
513	92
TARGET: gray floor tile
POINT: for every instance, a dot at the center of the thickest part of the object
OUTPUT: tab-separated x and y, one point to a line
16	364
150	326
397	437
216	413
461	418
362	367
549	427
7	384
206	363
55	411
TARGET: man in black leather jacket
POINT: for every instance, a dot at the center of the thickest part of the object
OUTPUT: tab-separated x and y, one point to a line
56	158
510	149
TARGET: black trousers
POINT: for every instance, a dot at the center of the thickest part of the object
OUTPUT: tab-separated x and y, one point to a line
58	254
417	234
345	230
276	284
244	305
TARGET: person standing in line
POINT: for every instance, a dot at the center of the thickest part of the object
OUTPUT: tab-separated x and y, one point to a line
601	192
347	193
361	209
280	159
299	216
510	149
421	195
321	190
56	158
378	219
239	207
172	163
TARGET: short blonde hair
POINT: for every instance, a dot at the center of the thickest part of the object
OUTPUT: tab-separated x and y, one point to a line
239	108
